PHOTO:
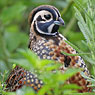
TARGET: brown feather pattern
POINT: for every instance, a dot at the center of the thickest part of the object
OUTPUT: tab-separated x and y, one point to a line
51	48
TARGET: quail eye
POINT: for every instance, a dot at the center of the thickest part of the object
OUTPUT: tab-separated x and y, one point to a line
47	16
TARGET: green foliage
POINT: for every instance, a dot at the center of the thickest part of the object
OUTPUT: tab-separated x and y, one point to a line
87	27
14	32
44	68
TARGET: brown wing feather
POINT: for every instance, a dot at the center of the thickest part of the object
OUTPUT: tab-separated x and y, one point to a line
19	77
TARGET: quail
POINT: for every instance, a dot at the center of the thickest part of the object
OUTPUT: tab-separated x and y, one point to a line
48	43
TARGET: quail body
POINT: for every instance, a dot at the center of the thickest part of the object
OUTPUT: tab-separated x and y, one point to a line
48	43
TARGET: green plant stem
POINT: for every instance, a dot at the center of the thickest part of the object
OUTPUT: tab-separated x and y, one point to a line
5	52
69	25
67	8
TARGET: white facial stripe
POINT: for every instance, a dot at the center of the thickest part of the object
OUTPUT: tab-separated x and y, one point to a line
42	13
50	28
56	14
62	37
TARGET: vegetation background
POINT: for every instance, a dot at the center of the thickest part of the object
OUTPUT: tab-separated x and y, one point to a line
79	29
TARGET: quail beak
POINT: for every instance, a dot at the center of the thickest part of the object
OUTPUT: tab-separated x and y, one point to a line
60	21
